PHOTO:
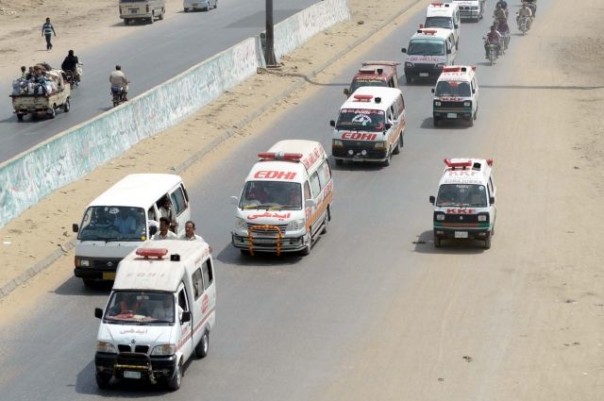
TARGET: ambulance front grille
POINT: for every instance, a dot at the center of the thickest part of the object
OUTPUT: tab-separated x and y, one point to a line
141	349
258	229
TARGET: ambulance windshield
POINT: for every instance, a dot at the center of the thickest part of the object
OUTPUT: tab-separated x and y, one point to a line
361	120
137	307
423	47
439	22
113	223
271	195
461	195
452	89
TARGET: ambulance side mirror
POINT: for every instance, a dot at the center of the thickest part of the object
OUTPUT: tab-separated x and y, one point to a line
346	91
449	51
432	90
98	313
234	200
186	317
492	200
75	228
332	123
388	126
403	50
309	203
432	199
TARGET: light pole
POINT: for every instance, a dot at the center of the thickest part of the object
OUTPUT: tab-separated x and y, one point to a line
269	55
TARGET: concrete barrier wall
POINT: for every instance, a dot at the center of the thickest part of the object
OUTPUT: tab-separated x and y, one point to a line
31	176
72	154
297	29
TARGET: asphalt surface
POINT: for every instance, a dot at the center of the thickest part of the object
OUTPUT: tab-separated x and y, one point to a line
148	57
285	326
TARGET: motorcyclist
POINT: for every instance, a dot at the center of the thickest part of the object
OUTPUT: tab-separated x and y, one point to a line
70	65
119	82
525	11
500	12
532	4
504	29
493	38
503	4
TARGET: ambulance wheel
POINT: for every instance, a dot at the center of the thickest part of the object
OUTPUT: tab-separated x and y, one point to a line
151	20
437	242
408	79
126	21
175	381
102	380
487	243
203	346
186	10
471	122
436	121
161	16
19	117
308	247
399	144
67	106
326	221
386	162
339	162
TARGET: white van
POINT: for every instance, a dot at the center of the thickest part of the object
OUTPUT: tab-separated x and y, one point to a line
136	199
286	200
464	207
444	15
456	95
471	9
160	312
370	126
428	52
142	10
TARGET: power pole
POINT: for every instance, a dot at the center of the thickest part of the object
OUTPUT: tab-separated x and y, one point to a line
269	55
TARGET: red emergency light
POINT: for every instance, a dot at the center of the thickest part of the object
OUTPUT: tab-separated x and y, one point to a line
293	157
490	162
437	4
452	68
427	31
459	164
152	252
363	98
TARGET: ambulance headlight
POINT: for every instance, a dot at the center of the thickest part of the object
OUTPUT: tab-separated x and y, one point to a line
82	262
240	224
295	225
164	350
482	217
440	217
337	143
467	104
104	346
408	65
380	145
440	65
437	103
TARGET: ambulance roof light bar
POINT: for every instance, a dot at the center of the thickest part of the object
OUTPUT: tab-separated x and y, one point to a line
427	31
458	164
147	253
292	157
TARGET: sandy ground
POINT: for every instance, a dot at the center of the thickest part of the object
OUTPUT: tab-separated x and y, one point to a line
548	332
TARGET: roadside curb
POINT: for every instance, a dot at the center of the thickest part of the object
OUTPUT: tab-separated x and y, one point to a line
24	277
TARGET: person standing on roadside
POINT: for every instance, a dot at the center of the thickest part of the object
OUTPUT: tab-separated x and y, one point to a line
48	30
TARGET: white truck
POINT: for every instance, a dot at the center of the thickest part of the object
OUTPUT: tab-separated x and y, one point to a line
57	95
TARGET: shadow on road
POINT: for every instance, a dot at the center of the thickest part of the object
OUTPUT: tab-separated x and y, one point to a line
425	244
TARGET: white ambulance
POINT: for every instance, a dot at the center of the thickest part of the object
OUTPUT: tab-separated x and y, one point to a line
370	126
464	207
456	95
444	15
160	312
429	50
471	9
286	200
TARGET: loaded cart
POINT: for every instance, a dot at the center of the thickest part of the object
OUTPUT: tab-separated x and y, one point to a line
41	95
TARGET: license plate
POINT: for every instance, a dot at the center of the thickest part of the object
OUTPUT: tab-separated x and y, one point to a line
133	10
451	115
461	234
132	375
109	276
423	74
263	241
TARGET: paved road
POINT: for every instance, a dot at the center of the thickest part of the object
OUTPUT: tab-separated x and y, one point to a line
149	57
286	327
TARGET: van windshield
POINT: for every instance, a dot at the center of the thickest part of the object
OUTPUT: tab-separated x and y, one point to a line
271	195
439	22
453	89
359	82
113	223
361	120
461	195
420	47
138	307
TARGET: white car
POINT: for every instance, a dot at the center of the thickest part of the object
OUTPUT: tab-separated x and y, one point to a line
193	5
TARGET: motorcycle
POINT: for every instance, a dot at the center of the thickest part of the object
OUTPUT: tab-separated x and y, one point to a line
118	94
532	5
506	40
74	77
492	53
523	24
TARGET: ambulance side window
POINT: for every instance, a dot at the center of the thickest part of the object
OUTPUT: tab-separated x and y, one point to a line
491	188
197	281
315	186
208	274
178	201
324	174
182	300
307	191
391	83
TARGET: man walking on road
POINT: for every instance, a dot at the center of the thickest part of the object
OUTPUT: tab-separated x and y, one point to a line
48	30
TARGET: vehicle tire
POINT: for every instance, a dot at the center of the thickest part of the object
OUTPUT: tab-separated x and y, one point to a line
327	220
216	5
339	162
67	106
19	117
175	381
408	79
386	162
186	10
471	122
52	112
397	148
151	20
102	380
487	243
437	242
126	21
202	348
306	251
161	16
435	121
